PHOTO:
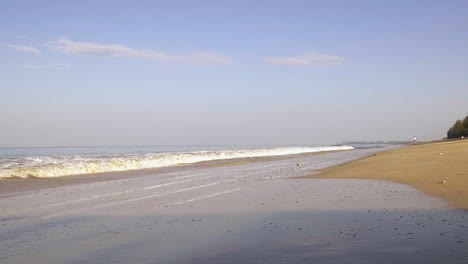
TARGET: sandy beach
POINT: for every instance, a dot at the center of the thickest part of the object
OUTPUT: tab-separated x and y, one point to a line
235	212
439	169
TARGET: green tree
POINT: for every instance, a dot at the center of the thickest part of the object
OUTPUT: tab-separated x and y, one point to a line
457	130
465	124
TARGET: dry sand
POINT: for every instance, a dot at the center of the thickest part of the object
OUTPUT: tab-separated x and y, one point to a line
439	169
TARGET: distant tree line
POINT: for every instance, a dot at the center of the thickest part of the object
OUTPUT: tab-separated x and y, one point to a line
459	129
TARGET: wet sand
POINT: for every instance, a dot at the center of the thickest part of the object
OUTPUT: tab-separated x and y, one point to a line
439	169
256	212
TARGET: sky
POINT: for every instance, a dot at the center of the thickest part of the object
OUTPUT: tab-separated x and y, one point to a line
98	73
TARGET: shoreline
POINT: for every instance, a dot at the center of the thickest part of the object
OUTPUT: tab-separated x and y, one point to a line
48	163
13	185
438	169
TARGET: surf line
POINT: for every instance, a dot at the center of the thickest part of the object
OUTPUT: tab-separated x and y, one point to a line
124	192
134	199
150	187
206	196
212	195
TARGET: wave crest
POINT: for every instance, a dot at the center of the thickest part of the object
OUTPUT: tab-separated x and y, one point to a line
64	166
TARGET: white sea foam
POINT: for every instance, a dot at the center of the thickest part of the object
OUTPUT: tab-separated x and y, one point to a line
72	165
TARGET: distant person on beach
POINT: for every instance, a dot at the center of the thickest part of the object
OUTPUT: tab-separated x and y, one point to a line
414	140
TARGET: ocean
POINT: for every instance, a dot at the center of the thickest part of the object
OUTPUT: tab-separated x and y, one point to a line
64	161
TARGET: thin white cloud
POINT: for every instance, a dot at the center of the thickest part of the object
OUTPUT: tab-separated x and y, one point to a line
308	59
23	48
114	50
53	66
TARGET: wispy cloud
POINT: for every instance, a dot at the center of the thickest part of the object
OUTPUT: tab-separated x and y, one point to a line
308	59
23	48
115	50
53	66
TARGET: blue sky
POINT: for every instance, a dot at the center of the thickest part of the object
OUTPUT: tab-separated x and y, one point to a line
230	72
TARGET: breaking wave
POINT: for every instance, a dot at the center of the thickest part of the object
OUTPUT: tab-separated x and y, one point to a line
25	167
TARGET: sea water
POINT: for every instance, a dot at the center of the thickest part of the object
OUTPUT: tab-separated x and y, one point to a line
63	161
